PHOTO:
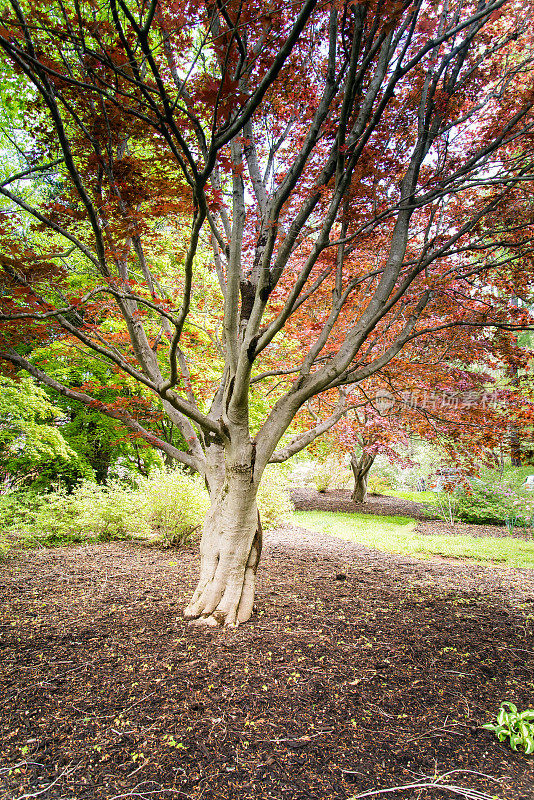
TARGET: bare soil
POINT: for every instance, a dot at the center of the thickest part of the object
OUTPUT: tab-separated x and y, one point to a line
359	671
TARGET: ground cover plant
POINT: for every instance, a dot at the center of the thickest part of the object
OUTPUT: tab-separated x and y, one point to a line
516	727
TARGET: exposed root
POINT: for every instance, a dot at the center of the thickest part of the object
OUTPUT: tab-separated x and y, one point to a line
209	622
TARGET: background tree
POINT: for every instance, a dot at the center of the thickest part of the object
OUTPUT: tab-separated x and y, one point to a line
344	157
104	444
454	390
32	447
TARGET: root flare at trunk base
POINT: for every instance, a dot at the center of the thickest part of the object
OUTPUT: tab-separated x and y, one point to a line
225	593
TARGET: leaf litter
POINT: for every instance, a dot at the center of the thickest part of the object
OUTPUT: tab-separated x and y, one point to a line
360	672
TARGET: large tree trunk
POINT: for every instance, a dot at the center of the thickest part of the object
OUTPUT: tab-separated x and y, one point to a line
360	469
230	547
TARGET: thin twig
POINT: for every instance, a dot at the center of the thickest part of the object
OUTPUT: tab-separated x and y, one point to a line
432	731
46	788
470	772
469	794
139	701
143	793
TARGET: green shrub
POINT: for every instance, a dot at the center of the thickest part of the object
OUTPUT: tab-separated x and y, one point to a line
5	543
331	474
274	503
379	483
35	515
90	512
495	504
174	503
51	518
107	512
170	501
12	510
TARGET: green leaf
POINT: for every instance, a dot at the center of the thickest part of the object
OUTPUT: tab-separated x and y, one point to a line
502	718
513	743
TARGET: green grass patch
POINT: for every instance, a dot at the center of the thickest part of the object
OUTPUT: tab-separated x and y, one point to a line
398	535
417	497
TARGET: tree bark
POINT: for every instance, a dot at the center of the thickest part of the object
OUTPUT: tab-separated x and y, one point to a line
230	546
515	446
360	469
513	431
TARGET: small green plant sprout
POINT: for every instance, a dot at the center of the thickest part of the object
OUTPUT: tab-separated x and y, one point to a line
517	726
170	741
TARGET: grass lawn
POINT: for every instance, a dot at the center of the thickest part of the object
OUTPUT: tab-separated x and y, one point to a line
418	497
398	535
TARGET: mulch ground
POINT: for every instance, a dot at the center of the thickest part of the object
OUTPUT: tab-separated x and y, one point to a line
305	498
359	671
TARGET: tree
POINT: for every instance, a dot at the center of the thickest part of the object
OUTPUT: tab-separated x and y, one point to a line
104	444
343	157
32	448
370	435
458	391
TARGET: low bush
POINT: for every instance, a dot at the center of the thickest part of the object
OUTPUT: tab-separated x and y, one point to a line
274	503
173	503
484	504
331	474
90	512
168	503
379	483
12	510
31	517
107	512
481	505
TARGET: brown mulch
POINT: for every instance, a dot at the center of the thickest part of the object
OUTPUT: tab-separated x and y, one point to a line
359	671
308	499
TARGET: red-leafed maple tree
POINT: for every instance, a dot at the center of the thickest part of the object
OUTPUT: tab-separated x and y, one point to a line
346	158
454	390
